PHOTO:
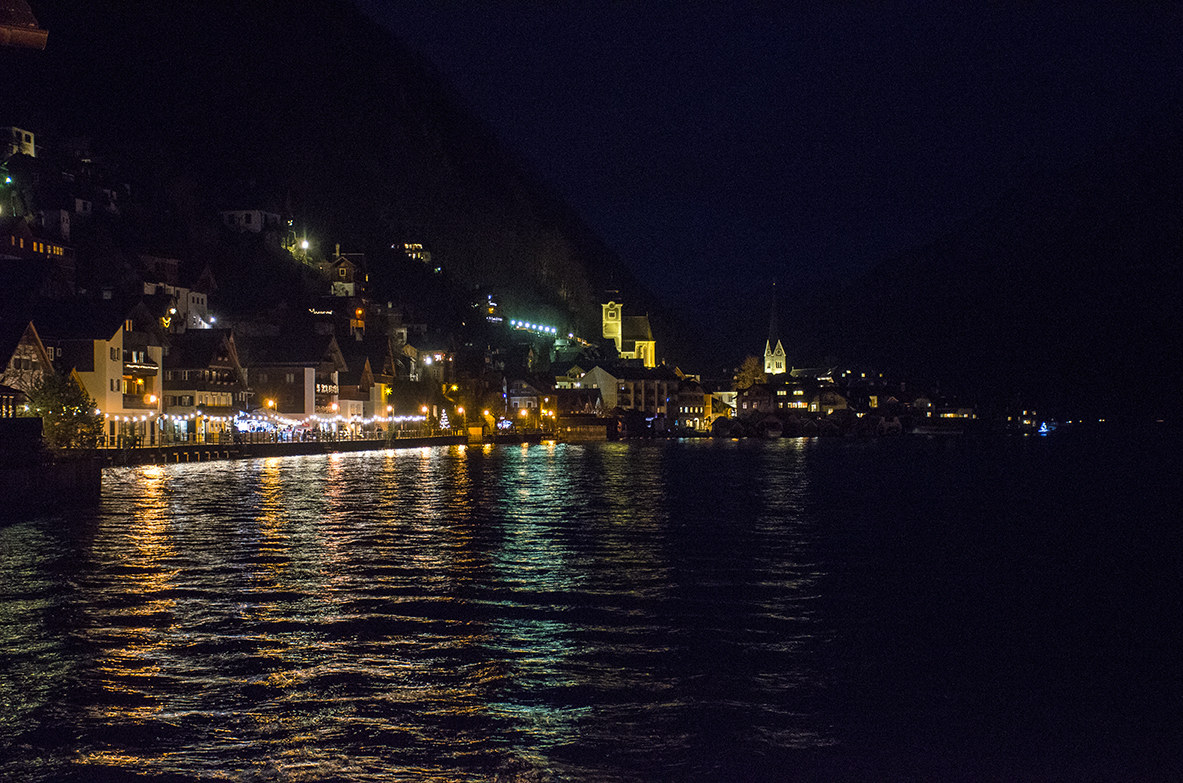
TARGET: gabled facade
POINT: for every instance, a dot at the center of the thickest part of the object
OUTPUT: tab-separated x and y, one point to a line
115	351
367	383
204	384
522	399
649	391
775	362
25	362
356	385
347	273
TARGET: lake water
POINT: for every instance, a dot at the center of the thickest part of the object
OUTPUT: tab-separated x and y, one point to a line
687	610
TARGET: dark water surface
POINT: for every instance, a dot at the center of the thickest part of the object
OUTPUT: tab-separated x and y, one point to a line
798	609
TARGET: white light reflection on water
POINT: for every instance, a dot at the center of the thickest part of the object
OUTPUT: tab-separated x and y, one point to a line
433	613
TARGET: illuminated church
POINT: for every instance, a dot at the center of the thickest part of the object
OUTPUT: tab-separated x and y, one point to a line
632	334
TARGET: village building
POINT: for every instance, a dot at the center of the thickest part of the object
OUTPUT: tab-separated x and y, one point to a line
204	386
115	351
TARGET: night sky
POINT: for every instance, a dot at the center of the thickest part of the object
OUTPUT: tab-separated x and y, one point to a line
714	146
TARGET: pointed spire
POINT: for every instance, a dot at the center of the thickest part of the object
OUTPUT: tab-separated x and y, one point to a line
774	357
772	335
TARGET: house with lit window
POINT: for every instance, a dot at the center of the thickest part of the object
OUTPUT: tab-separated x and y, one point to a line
792	396
436	357
567	376
296	376
643	389
181	307
346	273
691	409
372	366
24	361
204	386
523	401
115	351
47	264
757	399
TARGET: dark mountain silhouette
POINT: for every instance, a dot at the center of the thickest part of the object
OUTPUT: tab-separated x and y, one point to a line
1064	294
316	105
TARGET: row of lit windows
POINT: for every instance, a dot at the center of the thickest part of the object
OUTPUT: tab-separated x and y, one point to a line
38	247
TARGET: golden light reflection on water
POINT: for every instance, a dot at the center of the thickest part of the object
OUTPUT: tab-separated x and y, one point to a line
324	610
137	631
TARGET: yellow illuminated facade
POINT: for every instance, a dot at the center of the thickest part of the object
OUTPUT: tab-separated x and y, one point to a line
632	335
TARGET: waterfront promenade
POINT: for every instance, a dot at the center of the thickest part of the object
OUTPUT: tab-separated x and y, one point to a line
259	444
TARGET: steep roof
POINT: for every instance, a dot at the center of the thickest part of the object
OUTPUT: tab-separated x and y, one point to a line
635	327
197	348
292	350
11	332
90	320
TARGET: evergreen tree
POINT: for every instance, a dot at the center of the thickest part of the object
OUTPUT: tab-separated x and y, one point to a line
67	412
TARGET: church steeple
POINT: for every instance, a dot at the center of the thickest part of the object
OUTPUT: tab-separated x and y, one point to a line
774	357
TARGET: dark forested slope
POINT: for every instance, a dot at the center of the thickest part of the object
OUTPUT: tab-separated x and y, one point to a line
316	105
1065	293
